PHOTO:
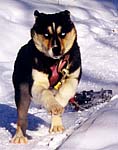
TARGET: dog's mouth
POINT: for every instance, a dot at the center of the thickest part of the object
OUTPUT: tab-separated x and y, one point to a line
54	55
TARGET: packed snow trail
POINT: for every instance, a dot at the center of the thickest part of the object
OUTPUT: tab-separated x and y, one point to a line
38	129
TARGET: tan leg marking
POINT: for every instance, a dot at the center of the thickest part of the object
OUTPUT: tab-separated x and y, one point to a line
19	138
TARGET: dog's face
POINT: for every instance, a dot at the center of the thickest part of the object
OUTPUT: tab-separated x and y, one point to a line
53	34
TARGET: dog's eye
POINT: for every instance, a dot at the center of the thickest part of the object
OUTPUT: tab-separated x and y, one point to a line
46	35
62	34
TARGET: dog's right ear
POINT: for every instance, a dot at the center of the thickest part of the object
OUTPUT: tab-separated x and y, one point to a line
36	13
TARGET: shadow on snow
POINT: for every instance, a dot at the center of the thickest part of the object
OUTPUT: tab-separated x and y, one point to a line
8	117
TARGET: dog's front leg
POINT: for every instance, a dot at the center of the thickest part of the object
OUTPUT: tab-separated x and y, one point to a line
47	99
66	91
22	98
43	95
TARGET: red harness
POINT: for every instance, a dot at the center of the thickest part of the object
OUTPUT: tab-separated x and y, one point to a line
57	69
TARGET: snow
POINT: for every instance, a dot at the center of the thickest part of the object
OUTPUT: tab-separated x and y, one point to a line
98	132
97	27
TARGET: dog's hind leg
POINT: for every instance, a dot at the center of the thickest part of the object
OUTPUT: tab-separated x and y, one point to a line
22	98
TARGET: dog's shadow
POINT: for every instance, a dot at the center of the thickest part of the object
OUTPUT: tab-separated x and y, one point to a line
8	117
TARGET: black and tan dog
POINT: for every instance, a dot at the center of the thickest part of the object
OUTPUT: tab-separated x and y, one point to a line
47	69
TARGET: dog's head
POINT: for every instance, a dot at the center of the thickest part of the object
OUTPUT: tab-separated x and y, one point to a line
53	34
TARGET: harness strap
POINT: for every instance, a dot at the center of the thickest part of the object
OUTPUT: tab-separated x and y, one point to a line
57	69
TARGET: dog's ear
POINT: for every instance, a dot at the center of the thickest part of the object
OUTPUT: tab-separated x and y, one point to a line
66	12
36	13
66	15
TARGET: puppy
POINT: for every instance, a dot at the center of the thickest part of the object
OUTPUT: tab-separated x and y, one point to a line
47	70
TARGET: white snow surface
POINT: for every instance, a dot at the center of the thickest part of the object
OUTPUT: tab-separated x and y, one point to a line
97	27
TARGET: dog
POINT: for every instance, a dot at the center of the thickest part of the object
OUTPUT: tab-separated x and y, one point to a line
47	70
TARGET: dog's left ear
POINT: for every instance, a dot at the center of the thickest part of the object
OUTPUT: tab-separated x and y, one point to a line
66	15
66	12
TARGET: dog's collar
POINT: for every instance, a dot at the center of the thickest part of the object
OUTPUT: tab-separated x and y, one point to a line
59	71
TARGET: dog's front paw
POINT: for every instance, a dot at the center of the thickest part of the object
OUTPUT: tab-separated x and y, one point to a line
56	124
19	139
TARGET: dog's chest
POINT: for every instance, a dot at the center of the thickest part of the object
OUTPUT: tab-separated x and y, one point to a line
50	73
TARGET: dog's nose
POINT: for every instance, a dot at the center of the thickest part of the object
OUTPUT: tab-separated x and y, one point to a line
56	50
